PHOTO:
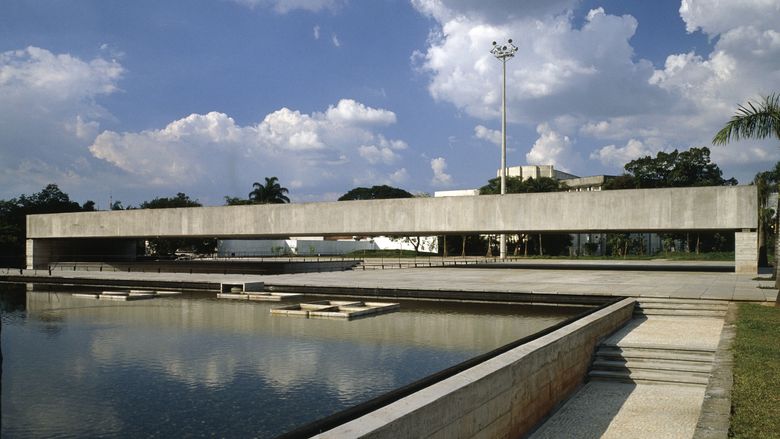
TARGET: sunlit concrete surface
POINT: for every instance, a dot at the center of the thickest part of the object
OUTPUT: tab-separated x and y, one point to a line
688	285
623	410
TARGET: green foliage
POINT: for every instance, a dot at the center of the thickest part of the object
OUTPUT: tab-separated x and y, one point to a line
269	193
757	120
14	211
516	185
671	169
756	394
375	193
235	201
180	200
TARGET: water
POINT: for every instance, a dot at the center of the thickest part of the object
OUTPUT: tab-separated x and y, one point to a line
193	365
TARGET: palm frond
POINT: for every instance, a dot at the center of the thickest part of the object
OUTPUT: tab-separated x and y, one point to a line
753	120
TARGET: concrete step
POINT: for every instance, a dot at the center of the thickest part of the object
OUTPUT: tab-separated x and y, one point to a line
681	306
655	347
648	377
612	353
694	368
678	313
682	301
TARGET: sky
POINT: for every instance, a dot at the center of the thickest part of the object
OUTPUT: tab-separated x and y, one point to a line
132	100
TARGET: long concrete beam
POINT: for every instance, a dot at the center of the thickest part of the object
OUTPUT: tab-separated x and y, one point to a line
641	210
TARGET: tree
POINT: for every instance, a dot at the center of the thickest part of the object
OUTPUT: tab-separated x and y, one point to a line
756	120
671	169
235	201
180	200
269	193
375	193
13	213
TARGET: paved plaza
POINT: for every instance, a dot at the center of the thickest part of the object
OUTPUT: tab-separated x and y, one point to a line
554	279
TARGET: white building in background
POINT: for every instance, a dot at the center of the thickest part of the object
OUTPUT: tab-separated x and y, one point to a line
535	172
319	246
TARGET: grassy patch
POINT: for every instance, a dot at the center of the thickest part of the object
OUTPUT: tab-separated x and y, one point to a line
756	395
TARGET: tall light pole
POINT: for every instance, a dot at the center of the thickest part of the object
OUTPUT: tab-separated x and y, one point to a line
503	53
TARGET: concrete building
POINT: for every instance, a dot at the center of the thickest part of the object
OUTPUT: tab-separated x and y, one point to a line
535	171
727	209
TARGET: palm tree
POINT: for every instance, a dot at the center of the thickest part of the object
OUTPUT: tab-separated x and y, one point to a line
269	193
756	120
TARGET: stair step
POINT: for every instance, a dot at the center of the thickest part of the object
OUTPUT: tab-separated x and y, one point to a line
679	312
646	376
654	354
683	301
623	346
681	306
694	368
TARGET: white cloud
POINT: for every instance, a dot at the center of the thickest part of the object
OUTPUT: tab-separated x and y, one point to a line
494	10
440	177
719	16
492	136
316	32
375	155
49	112
308	149
551	148
615	157
400	176
349	111
335	40
587	81
285	6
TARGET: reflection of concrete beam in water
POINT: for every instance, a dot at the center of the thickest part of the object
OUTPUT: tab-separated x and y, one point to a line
421	324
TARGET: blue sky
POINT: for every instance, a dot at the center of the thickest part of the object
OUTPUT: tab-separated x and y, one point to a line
134	100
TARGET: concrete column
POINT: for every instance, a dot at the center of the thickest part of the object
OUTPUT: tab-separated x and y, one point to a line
37	253
746	252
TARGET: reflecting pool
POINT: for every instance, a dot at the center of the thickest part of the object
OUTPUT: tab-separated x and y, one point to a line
195	365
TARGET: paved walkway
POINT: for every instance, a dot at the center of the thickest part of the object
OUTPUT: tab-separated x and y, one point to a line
611	409
676	284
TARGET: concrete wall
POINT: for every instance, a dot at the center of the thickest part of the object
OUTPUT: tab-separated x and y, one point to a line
502	397
746	252
643	210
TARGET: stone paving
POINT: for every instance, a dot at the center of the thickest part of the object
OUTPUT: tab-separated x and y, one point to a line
666	284
603	409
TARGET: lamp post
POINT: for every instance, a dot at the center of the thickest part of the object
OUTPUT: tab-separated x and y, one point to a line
503	53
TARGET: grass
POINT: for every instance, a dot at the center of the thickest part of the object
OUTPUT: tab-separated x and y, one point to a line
756	395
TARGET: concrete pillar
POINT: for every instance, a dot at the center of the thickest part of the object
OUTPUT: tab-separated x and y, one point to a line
746	252
37	253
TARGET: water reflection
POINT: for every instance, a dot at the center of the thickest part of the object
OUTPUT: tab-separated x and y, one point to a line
197	365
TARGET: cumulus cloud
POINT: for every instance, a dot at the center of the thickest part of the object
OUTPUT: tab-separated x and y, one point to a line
49	111
285	6
616	157
718	16
316	32
440	177
492	136
576	78
308	149
335	40
551	148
